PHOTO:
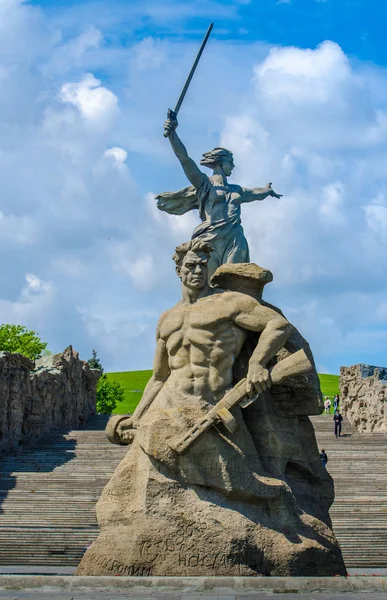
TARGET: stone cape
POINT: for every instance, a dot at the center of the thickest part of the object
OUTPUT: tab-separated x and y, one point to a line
255	502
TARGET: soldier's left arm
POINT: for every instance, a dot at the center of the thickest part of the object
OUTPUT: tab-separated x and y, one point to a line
275	330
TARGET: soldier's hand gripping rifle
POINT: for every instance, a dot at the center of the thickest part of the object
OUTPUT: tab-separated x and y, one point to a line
295	364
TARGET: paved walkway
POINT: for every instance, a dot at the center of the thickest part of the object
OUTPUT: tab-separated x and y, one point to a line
14	587
258	596
42	570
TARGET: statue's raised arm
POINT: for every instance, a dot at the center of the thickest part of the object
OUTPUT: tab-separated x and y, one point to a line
192	171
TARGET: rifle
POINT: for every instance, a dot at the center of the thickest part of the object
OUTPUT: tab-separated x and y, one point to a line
295	364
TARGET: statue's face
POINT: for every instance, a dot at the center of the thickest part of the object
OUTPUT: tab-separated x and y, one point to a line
228	165
193	272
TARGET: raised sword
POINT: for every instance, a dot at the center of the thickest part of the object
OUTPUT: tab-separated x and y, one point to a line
172	114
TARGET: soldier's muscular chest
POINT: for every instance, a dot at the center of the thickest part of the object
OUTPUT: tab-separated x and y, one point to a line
203	322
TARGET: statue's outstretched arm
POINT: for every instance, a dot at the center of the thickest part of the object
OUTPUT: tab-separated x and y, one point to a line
275	330
258	193
192	171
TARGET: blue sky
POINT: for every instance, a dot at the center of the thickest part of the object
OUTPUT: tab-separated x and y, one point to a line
356	25
296	89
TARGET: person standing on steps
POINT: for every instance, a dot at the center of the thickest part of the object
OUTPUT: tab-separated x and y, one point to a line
338	419
324	458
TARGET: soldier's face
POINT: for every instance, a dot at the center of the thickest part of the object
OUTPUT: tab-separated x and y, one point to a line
193	272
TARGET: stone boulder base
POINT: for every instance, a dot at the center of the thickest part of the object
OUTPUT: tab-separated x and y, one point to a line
209	513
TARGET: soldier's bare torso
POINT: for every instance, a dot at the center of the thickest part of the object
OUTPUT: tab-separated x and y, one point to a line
202	342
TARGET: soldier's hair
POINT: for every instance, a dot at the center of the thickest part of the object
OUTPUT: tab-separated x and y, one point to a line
214	157
194	246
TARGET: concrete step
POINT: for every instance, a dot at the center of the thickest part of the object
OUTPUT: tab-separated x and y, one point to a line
358	465
48	494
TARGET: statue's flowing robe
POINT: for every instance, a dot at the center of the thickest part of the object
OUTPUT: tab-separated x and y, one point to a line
225	235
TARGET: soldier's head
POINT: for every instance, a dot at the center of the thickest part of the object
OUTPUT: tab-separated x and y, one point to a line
191	260
219	157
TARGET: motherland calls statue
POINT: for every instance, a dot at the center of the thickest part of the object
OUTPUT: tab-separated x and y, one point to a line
223	475
218	202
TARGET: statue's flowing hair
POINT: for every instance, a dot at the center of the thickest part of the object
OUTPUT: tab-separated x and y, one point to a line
214	157
193	245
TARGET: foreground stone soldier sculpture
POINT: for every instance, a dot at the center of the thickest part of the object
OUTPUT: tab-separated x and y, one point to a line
218	202
250	502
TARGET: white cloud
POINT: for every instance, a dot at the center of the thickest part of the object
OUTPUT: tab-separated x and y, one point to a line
149	54
332	201
77	216
33	307
94	101
33	282
142	269
118	154
376	218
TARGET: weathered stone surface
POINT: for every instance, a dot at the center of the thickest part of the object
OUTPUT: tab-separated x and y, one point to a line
247	278
15	390
251	502
363	397
57	391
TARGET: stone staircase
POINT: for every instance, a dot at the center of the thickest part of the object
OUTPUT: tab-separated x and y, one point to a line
358	465
48	495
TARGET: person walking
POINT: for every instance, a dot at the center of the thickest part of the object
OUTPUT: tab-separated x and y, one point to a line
327	405
323	458
336	401
338	420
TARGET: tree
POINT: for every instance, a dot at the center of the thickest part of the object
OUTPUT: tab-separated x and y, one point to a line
17	338
94	362
109	393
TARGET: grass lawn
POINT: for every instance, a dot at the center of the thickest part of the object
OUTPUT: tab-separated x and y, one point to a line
134	383
329	385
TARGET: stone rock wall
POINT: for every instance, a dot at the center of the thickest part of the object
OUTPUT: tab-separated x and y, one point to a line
15	389
363	397
57	391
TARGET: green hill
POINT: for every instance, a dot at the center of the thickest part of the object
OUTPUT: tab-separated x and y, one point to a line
134	383
329	384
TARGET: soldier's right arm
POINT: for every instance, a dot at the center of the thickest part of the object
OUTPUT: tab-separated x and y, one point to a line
160	375
192	171
125	428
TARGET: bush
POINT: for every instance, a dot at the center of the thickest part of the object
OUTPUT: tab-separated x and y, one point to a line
17	338
109	393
